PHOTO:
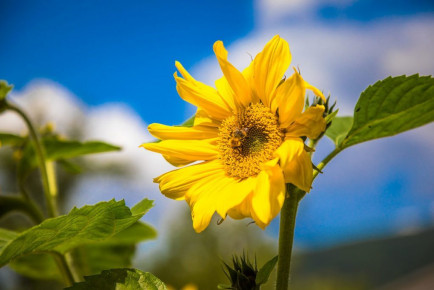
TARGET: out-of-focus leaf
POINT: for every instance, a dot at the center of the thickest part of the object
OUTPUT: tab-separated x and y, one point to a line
7	139
92	259
27	161
89	224
70	166
37	266
10	203
6	236
265	271
5	88
143	206
392	106
62	149
120	279
339	129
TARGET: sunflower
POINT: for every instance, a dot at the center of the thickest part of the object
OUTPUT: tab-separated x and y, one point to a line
247	139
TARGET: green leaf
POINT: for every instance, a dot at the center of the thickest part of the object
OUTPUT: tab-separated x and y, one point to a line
62	149
69	166
339	129
189	122
143	206
138	232
6	236
392	106
89	224
37	266
89	259
131	279
11	139
265	271
5	88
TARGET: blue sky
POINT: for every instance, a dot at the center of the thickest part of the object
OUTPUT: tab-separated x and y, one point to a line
106	52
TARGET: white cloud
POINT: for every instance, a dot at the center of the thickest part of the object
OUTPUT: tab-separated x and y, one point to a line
45	101
341	60
271	12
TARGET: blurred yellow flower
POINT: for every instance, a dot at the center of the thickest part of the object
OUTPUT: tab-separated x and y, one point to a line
247	135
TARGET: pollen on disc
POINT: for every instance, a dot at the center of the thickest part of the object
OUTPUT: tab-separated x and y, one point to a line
248	139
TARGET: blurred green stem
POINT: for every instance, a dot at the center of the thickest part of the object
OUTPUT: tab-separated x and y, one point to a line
40	154
24	205
64	268
286	236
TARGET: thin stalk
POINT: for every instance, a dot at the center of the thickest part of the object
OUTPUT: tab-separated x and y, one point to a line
40	154
70	261
34	210
286	237
64	268
327	160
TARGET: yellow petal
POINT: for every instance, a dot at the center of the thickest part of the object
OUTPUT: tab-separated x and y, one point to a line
164	132
200	94
199	197
233	194
234	77
310	124
289	99
175	184
242	210
290	149
202	118
192	150
178	162
269	68
317	92
269	194
248	76
216	193
299	171
225	90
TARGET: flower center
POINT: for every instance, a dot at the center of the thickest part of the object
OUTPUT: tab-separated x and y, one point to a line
248	139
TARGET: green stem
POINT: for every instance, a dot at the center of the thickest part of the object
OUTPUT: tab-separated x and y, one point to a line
40	154
286	237
64	268
327	160
71	262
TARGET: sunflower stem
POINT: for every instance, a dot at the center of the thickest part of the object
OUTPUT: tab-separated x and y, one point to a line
286	237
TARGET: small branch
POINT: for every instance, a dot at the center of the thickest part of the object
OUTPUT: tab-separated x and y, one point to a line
40	154
327	160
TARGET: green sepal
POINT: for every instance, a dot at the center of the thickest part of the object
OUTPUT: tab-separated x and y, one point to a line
265	272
